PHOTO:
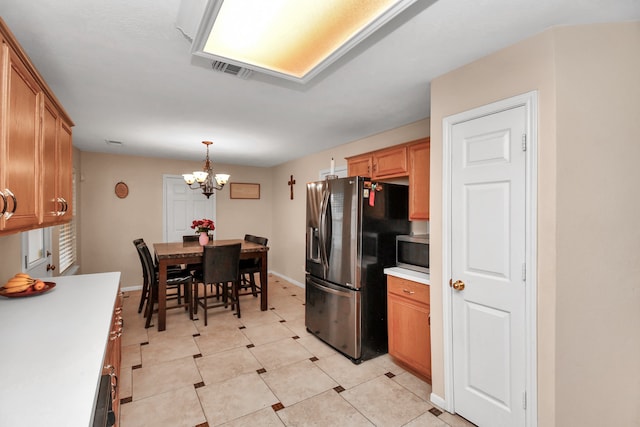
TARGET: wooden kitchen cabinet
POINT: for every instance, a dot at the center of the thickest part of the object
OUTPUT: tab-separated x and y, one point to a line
35	145
409	159
57	167
360	166
419	157
113	357
385	163
409	325
19	164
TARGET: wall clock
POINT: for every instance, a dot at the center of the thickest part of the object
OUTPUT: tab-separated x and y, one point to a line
122	190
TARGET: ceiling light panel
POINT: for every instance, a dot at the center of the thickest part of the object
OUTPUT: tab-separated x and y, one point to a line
294	39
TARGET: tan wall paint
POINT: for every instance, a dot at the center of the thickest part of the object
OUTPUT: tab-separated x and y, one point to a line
598	243
287	257
110	224
10	250
559	64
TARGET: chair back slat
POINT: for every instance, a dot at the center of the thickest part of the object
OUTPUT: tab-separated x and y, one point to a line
220	264
190	238
147	263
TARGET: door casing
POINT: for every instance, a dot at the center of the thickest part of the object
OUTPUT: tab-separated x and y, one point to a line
530	101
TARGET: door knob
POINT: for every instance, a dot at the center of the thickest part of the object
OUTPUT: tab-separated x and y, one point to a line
458	285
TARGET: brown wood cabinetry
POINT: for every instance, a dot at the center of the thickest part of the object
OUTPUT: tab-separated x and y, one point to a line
409	324
35	145
419	157
56	167
19	164
113	357
359	165
410	159
386	163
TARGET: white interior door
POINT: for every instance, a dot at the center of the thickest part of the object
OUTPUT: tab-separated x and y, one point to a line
488	230
36	252
181	206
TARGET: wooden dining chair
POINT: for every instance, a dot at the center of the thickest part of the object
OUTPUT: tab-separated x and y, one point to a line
172	271
181	284
249	267
220	267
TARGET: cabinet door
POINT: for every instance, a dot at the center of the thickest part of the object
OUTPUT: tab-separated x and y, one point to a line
56	167
419	157
65	170
50	205
409	334
21	105
359	166
390	163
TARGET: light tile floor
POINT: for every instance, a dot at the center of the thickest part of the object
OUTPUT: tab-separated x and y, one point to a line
263	369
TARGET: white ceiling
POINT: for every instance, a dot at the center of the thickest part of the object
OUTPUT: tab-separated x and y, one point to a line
124	72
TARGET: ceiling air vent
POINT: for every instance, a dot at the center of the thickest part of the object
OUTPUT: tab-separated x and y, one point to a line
234	70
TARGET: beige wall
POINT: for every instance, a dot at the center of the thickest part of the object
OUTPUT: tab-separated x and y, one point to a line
109	224
598	241
288	253
587	83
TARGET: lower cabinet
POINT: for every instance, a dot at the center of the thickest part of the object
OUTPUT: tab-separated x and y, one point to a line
113	359
409	325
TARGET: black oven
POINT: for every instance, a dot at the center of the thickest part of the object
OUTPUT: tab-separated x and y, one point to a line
103	415
412	252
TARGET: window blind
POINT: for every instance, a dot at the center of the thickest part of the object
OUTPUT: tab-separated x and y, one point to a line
67	239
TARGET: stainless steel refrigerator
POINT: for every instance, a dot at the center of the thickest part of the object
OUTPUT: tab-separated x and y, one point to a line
350	238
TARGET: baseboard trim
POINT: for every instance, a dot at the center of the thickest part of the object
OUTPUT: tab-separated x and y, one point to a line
288	279
438	401
131	288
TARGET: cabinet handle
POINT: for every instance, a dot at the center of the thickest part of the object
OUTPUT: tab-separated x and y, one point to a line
407	291
4	203
8	215
65	206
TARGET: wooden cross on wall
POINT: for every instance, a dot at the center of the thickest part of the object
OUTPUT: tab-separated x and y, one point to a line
290	183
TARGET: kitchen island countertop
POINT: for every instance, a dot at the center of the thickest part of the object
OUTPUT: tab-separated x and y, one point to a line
52	351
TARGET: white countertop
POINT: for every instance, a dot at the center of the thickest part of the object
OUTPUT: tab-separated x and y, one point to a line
405	273
52	349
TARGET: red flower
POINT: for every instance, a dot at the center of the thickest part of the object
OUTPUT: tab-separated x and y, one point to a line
203	225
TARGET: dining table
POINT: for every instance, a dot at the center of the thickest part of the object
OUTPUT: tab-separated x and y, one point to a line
178	253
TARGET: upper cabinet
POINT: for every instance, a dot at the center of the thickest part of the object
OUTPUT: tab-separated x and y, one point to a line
386	163
410	159
57	182
419	158
35	145
19	165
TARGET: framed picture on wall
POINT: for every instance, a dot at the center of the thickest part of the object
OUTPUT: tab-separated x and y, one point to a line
243	190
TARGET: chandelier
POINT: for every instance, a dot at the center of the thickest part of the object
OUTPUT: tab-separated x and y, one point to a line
205	179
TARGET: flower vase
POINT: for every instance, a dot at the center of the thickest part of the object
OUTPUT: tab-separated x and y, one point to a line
204	238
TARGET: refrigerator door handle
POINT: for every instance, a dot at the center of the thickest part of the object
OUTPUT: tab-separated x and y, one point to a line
322	234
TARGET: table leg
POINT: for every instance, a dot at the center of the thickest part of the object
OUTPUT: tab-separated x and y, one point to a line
264	286
162	296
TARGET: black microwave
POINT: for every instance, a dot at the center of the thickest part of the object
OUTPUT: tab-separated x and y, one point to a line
412	252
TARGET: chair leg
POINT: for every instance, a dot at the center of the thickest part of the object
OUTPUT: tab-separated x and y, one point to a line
196	286
252	281
235	285
149	309
144	296
204	306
